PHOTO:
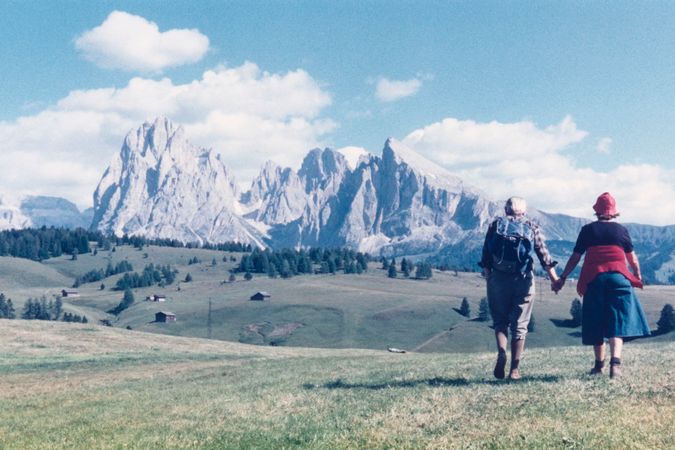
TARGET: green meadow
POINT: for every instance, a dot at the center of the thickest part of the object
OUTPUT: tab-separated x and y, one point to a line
327	311
308	368
87	386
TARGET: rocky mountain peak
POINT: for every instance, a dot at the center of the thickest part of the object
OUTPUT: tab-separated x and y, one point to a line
321	168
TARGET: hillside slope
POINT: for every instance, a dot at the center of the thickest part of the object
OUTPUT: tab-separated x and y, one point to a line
83	386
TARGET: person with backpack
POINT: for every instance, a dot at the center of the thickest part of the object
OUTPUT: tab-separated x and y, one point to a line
610	308
508	266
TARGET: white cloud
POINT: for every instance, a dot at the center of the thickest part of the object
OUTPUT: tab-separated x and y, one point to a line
523	159
129	42
604	145
391	90
353	154
247	115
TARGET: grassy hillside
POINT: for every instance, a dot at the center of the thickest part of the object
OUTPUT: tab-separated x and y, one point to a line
332	311
84	386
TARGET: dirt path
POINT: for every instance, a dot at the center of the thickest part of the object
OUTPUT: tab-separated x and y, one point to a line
432	339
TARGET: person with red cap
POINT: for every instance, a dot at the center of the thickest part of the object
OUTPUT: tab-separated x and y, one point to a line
610	308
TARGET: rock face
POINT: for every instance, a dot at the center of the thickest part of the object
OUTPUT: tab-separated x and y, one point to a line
55	211
399	203
159	185
11	216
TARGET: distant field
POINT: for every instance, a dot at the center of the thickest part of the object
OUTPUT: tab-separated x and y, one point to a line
330	311
84	386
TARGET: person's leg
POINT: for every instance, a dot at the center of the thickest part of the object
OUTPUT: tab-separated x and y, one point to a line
517	348
500	365
615	345
593	322
599	351
498	293
520	319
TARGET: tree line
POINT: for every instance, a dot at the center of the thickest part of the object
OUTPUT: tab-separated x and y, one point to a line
287	263
100	274
422	269
42	243
162	275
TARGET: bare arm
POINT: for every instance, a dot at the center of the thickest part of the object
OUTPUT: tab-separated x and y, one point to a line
634	264
571	264
569	267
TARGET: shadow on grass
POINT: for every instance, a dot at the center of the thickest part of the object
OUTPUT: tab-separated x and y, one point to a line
565	323
432	382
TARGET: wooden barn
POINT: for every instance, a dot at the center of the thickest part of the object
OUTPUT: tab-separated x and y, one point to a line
260	296
69	293
165	316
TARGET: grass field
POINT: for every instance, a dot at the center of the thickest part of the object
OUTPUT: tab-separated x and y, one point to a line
84	386
328	311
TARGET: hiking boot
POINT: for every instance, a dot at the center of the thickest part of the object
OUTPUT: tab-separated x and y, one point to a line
615	371
597	369
514	374
500	366
614	368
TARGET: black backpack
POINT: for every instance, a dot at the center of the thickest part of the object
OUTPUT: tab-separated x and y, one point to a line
510	245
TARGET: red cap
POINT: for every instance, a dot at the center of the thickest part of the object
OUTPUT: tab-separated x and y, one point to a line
605	205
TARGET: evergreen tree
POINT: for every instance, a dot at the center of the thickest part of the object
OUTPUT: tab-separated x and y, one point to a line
73	255
465	308
385	263
666	322
392	269
483	310
575	312
232	278
406	267
188	278
11	313
58	307
102	287
248	276
3	307
423	271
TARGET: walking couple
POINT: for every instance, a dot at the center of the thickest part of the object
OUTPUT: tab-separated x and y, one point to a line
610	308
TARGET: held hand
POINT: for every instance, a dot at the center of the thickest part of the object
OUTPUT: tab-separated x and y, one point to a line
557	285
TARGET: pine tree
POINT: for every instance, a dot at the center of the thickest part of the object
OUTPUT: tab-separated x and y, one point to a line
58	307
392	269
575	312
465	308
666	322
188	278
11	313
3	307
483	310
406	266
232	278
248	276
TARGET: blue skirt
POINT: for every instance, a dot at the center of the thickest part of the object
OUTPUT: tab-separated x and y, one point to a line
611	309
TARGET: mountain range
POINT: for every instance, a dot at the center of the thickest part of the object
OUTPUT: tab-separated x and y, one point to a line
160	185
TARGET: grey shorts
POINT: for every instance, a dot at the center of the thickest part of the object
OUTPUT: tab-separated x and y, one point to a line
510	297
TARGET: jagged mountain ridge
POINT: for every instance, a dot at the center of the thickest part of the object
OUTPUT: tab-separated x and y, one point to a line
161	186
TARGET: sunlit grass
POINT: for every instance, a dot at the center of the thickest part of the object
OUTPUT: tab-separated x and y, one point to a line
168	392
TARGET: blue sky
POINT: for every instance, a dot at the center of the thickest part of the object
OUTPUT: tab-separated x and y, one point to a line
588	84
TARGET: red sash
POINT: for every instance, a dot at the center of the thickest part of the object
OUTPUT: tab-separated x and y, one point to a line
604	258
